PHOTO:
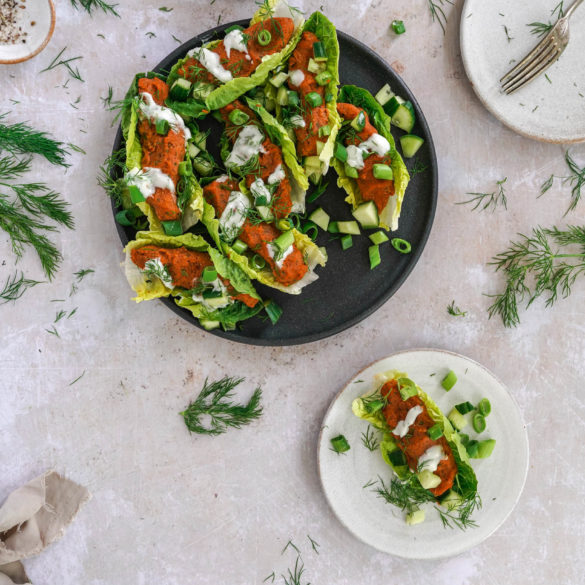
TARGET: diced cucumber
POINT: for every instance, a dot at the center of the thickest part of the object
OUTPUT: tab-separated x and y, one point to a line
451	501
333	227
410	144
416	517
239	247
346	242
320	145
200	140
393	104
428	479
265	213
457	419
319	51
208	324
485	448
348	227
282	96
202	166
180	89
193	150
278	79
314	175
315	66
403	118
201	89
320	217
384	95
374	254
312	164
367	214
378	238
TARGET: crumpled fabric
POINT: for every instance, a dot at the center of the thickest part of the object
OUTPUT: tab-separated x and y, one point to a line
34	516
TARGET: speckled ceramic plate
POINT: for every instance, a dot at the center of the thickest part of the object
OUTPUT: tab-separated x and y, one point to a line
494	35
36	22
347	291
501	477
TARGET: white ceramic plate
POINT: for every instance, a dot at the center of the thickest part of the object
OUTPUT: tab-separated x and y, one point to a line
501	477
550	111
38	21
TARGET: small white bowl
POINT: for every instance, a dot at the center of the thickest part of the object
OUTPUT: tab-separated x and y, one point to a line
37	19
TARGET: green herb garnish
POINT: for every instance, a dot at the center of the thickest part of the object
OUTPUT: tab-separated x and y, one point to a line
455	311
576	179
15	286
89	5
488	200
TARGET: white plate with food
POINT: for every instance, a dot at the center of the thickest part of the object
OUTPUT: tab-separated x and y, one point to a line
496	35
385	504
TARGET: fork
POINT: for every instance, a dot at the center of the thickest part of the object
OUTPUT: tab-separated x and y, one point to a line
542	56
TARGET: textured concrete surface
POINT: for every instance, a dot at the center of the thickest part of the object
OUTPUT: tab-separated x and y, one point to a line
173	508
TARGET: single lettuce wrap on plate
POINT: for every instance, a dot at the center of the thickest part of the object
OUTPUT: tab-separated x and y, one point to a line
304	90
201	279
159	173
220	71
421	446
369	167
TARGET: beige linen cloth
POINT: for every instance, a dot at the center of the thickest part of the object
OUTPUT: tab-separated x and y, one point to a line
34	516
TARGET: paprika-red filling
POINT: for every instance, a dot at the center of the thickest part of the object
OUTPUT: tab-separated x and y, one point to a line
417	440
371	189
185	267
257	236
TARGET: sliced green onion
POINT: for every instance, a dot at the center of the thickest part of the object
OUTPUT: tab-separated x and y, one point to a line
323	78
465	407
185	168
350	171
472	449
257	262
125	217
284	241
340	152
485	448
378	237
374	253
315	67
397	457
319	52
398	27
324	130
464	438
209	274
333	227
293	98
457	419
346	242
238	117
374	406
239	247
295	220
162	127
406	386
449	380
484	407
359	122
383	172
310	229
284	224
264	37
313	99
136	195
233	27
172	228
340	444
401	245
478	422
435	432
273	311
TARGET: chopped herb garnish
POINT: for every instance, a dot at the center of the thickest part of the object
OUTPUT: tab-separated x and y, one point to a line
89	5
437	12
370	441
455	311
576	179
56	62
77	379
15	286
488	200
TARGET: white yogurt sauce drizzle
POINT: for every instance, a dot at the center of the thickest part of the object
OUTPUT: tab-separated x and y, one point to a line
403	426
148	180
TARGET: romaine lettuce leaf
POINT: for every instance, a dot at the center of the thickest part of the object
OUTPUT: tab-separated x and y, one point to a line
364	99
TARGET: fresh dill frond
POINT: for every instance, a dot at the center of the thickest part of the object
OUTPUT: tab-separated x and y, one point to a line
542	28
20	138
15	286
315	545
272	576
418	167
488	200
294	577
110	176
82	273
406	494
460	517
575	178
57	62
89	5
60	314
455	311
370	441
532	269
107	101
215	402
438	13
53	331
292	545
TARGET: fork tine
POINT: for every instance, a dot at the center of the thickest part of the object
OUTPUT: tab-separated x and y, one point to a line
527	70
542	45
544	65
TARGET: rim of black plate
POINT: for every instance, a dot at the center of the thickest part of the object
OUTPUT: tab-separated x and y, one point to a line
215	33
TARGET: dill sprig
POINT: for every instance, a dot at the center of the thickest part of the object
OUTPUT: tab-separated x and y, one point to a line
109	177
15	286
460	517
370	441
576	179
294	577
542	28
20	138
215	403
89	5
437	12
455	311
57	62
488	200
532	268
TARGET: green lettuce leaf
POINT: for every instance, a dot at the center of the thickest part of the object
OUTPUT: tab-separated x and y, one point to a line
364	99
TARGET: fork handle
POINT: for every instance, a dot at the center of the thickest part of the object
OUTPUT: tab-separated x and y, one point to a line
572	9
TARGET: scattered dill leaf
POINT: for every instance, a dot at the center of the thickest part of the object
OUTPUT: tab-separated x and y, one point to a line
15	286
77	379
59	316
57	62
292	545
53	331
165	9
488	200
215	403
437	12
76	148
369	484
455	311
71	313
150	34
576	179
272	576
82	273
542	28
176	39
507	33
107	101
370	441
314	544
89	5
294	577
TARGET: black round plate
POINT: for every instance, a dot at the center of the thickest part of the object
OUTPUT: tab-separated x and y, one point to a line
347	290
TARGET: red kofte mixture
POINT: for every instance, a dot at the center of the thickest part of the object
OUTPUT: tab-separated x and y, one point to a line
257	236
377	190
417	441
281	31
161	152
185	267
314	117
268	160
